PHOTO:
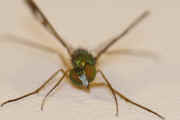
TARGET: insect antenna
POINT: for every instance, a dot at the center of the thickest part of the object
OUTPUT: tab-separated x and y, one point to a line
114	40
48	26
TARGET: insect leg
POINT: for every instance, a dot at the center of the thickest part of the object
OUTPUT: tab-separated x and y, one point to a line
35	91
127	99
110	87
47	25
55	86
125	32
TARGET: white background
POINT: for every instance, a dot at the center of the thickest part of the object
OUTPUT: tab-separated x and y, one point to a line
149	75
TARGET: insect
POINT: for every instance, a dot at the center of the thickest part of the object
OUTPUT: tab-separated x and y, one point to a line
83	69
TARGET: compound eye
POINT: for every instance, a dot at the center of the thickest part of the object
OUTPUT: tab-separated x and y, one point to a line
90	71
75	78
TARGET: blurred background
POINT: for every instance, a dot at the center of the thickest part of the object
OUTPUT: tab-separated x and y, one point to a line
145	67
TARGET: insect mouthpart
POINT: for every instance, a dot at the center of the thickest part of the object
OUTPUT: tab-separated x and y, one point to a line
84	80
